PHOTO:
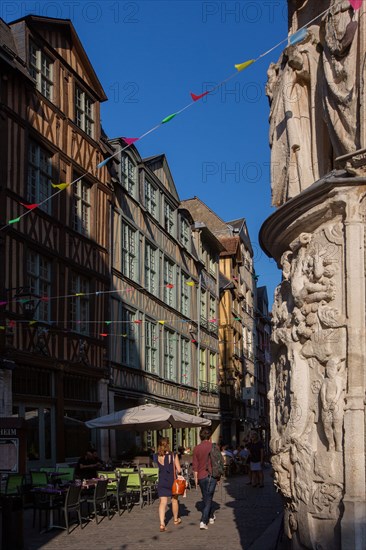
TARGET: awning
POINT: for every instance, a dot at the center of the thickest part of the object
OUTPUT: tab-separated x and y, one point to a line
212	416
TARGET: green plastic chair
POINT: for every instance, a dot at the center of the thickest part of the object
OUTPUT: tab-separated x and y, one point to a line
14	484
125	470
39	479
135	487
68	473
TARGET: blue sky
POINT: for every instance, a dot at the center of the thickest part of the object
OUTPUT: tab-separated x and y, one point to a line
149	55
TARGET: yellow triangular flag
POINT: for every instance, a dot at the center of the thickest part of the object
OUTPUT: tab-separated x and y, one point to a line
242	66
60	186
161	322
190	283
32	323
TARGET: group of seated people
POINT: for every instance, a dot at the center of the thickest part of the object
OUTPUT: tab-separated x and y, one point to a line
235	459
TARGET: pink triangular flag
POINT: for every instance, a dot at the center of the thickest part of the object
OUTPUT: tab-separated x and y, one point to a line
130	141
356	4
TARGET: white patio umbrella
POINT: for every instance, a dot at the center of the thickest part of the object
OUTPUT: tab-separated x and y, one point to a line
147	417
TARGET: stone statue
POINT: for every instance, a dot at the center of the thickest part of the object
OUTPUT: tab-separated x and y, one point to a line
316	111
332	398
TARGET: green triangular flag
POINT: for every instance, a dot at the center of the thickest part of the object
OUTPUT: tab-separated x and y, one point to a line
168	118
15	220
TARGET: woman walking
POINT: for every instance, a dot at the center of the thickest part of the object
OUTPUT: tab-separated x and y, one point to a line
166	462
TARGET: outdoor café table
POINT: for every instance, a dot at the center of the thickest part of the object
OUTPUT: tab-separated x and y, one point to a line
54	476
51	492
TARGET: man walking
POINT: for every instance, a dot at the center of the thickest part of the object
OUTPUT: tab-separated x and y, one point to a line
202	470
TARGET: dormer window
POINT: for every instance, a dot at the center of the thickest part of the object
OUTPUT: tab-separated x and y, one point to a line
41	69
84	107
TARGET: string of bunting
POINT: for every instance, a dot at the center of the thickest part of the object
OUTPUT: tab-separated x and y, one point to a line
293	39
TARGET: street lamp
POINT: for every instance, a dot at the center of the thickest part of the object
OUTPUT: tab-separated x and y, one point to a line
29	303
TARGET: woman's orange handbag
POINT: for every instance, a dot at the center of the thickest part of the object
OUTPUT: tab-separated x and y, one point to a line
179	485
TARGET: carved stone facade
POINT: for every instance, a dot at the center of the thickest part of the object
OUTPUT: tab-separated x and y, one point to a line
317	379
317	236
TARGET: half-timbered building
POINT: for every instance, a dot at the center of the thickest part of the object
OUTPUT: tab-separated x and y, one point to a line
156	352
54	236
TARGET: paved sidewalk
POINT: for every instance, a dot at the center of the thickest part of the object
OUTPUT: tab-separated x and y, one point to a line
243	514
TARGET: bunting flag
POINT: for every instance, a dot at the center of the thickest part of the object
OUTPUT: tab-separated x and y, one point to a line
241	66
190	283
161	322
169	285
3	303
2	327
29	206
103	334
108	322
212	320
79	294
168	118
32	323
60	186
124	335
197	97
356	4
12	324
138	322
130	141
103	163
297	37
293	39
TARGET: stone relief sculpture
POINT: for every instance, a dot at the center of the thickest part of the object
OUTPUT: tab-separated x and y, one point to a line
315	108
332	399
308	379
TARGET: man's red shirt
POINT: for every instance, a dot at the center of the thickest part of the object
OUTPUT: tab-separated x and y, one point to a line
201	461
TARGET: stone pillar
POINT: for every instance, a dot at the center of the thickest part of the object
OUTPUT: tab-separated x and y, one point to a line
317	379
6	392
354	518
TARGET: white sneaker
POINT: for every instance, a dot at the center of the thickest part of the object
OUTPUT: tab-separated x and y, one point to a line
212	520
203	525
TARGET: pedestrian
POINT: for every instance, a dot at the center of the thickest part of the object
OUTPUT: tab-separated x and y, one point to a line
256	456
202	476
166	461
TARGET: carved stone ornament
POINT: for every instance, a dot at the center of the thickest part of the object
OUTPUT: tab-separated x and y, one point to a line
315	97
308	379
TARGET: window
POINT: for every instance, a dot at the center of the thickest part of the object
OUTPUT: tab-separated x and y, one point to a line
39	283
168	218
151	351
185	296
84	111
203	307
213	375
81	207
212	264
169	293
79	305
41	69
150	268
203	371
129	350
212	313
169	355
39	176
184	233
151	204
129	253
128	174
185	362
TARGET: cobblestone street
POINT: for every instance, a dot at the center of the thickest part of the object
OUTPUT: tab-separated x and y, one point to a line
243	514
